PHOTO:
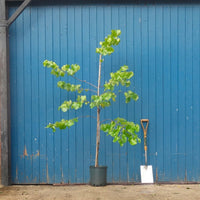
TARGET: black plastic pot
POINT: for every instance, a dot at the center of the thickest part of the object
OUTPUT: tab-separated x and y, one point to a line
98	175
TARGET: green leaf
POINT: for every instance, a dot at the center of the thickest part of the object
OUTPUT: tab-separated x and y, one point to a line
139	140
51	126
133	142
124	138
130	95
75	67
124	68
70	72
65	67
75	106
116	139
120	142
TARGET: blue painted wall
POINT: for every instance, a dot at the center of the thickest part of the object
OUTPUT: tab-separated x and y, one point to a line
160	43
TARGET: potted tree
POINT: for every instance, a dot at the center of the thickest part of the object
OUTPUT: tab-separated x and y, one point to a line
120	129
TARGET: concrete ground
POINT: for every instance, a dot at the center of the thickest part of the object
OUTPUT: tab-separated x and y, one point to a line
110	192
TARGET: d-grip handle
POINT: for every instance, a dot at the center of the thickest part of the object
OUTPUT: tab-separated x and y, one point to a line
142	121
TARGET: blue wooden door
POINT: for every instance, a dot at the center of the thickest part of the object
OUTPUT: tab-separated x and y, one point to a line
160	43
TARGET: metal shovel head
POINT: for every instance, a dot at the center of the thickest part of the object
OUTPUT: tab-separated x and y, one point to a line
146	172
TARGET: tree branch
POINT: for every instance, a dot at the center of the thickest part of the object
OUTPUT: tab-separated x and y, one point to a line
84	81
85	116
91	90
106	120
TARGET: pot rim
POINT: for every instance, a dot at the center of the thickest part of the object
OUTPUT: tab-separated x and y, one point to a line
92	166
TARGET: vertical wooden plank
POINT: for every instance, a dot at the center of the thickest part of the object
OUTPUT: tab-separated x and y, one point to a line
64	60
138	149
122	53
131	106
42	97
86	76
50	101
20	100
71	60
189	93
196	92
115	62
36	67
13	103
79	53
174	91
108	111
181	92
159	92
166	93
27	98
4	99
152	87
57	114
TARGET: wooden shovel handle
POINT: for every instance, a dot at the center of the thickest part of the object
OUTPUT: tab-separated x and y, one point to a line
145	131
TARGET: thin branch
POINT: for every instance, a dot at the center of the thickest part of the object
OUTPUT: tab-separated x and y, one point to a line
84	81
85	116
91	90
106	120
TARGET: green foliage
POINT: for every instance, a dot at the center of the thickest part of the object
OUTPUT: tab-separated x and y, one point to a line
57	71
111	40
63	124
102	100
130	95
67	105
122	76
122	131
70	87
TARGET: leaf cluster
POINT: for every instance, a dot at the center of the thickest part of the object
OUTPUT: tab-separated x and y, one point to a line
130	95
67	105
122	76
70	70
102	100
122	131
63	124
111	40
70	87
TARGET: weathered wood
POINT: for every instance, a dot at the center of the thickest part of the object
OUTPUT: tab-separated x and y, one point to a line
4	100
18	12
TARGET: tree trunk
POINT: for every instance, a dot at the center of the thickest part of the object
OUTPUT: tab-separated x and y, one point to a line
98	117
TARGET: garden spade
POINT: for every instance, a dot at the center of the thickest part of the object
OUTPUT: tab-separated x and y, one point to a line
146	171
